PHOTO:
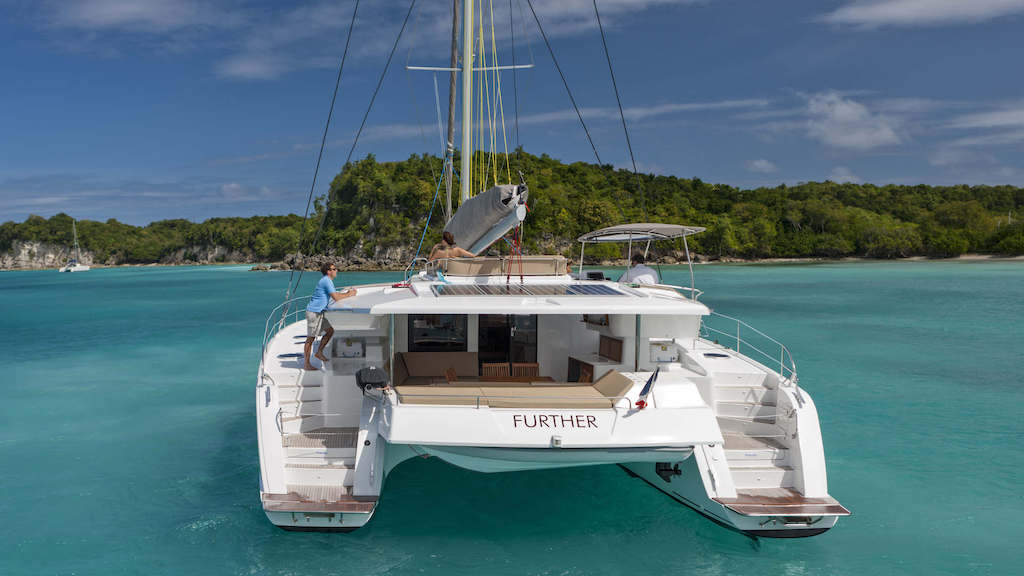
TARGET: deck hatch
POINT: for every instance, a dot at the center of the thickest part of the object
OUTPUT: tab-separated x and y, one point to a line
525	290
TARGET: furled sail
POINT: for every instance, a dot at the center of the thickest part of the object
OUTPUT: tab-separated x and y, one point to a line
486	217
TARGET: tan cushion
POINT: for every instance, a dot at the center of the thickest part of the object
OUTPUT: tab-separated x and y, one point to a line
440	395
545	397
613	384
535	265
473	267
435	363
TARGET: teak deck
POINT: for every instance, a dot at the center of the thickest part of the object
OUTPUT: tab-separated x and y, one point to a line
781	502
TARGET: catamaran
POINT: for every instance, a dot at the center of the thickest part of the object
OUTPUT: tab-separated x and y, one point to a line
73	264
507	363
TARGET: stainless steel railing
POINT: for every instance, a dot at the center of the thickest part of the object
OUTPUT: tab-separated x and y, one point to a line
780	356
283	314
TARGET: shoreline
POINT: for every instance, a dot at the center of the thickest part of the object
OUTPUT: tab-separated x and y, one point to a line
277	266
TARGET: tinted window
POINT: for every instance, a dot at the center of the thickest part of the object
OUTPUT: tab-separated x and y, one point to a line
437	332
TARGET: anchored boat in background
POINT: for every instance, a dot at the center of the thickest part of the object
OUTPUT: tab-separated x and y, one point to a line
73	264
508	363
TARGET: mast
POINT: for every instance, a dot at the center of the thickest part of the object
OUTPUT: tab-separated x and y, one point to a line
74	232
467	98
451	106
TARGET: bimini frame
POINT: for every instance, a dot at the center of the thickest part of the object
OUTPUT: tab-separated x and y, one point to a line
642	232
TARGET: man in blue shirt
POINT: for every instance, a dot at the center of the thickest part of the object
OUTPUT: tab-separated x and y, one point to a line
323	294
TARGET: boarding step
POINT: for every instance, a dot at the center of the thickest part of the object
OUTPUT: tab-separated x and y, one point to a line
757	411
330	443
303	423
751	377
302	498
309	408
291	377
762	476
338	473
743	450
752	394
300	393
781	502
747	427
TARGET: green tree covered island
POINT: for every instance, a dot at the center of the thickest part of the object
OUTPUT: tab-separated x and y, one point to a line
377	210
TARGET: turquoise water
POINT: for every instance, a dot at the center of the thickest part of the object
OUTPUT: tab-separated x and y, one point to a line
128	445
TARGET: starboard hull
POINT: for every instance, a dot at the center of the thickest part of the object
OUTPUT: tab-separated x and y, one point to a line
684	485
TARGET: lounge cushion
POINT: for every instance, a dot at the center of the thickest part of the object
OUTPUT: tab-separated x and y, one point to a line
441	395
435	363
545	397
614	384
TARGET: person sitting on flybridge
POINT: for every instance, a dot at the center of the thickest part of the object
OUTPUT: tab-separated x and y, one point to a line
640	273
448	249
315	321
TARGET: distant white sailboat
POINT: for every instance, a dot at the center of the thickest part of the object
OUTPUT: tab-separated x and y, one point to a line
73	264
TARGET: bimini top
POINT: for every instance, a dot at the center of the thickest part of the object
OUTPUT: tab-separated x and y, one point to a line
639	232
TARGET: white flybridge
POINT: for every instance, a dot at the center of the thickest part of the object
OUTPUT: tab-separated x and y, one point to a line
73	264
499	364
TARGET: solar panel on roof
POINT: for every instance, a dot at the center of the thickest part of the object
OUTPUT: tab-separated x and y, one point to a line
526	290
591	290
456	290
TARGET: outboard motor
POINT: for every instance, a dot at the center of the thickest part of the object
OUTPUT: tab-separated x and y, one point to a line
371	378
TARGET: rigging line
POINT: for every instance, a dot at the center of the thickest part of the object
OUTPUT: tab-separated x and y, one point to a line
565	82
359	132
501	103
412	95
319	157
515	81
487	95
426	225
639	184
419	122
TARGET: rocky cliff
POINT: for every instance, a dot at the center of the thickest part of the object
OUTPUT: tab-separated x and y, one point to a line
37	255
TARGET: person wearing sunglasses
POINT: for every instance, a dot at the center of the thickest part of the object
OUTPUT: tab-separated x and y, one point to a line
323	295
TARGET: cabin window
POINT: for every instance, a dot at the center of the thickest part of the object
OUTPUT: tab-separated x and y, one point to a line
437	332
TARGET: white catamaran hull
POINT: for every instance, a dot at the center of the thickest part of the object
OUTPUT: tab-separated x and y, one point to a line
490	459
684	483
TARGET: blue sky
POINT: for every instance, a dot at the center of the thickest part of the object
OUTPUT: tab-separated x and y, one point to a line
150	109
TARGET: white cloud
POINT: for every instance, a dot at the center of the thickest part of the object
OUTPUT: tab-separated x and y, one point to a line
1005	138
138	16
843	174
841	122
634	113
566	17
877	13
260	41
1012	117
947	155
762	166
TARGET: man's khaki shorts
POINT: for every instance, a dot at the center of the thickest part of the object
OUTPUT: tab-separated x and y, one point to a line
316	324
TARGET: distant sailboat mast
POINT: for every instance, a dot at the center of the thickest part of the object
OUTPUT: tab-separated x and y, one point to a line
74	232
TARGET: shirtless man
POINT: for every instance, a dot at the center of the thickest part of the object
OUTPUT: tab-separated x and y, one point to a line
448	249
323	294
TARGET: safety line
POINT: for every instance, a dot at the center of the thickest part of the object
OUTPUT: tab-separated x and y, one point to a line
323	144
639	184
359	132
